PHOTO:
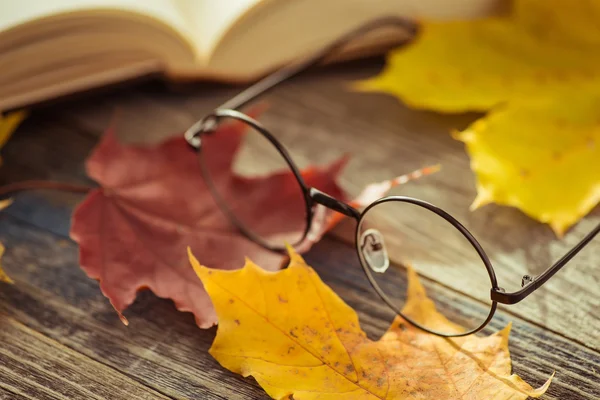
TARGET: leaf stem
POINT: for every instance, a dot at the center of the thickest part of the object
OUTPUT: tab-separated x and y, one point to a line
15	187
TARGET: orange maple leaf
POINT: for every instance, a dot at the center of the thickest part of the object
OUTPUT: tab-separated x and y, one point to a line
295	336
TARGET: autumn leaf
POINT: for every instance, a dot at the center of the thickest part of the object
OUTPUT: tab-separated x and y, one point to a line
540	59
295	336
8	124
153	203
3	276
541	49
549	167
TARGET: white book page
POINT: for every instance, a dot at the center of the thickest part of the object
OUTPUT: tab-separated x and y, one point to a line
208	20
13	13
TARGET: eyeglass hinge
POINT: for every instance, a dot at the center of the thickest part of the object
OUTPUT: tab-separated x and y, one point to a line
205	125
526	280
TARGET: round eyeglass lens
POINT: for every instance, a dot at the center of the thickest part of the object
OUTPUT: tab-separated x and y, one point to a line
394	235
262	196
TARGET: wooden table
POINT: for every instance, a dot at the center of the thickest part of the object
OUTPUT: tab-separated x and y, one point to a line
60	338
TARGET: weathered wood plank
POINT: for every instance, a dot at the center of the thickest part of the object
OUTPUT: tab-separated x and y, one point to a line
164	350
161	348
319	119
6	394
36	366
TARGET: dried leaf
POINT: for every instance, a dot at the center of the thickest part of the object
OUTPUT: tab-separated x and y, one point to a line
153	203
541	59
3	276
295	336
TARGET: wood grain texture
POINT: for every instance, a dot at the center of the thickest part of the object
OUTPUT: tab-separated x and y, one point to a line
35	366
161	348
162	353
6	394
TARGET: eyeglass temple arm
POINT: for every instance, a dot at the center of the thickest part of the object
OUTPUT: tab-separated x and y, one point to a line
294	69
532	284
274	79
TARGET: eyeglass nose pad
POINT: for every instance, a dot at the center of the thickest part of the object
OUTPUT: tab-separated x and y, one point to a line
372	247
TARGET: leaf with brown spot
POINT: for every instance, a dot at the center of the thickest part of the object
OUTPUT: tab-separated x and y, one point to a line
312	347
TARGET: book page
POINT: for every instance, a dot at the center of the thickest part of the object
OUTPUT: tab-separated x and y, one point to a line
275	32
208	20
14	13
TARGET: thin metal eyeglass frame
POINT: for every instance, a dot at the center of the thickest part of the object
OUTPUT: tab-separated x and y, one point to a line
313	196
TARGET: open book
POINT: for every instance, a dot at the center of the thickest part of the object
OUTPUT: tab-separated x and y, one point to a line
53	48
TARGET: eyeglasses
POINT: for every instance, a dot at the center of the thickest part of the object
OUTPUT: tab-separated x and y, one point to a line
415	235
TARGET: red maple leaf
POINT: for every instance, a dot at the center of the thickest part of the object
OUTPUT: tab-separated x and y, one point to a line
133	231
153	203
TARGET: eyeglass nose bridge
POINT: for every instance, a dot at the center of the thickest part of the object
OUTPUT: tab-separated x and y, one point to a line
332	203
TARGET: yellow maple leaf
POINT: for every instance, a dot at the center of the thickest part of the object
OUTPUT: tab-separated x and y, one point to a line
550	173
542	59
295	336
3	276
